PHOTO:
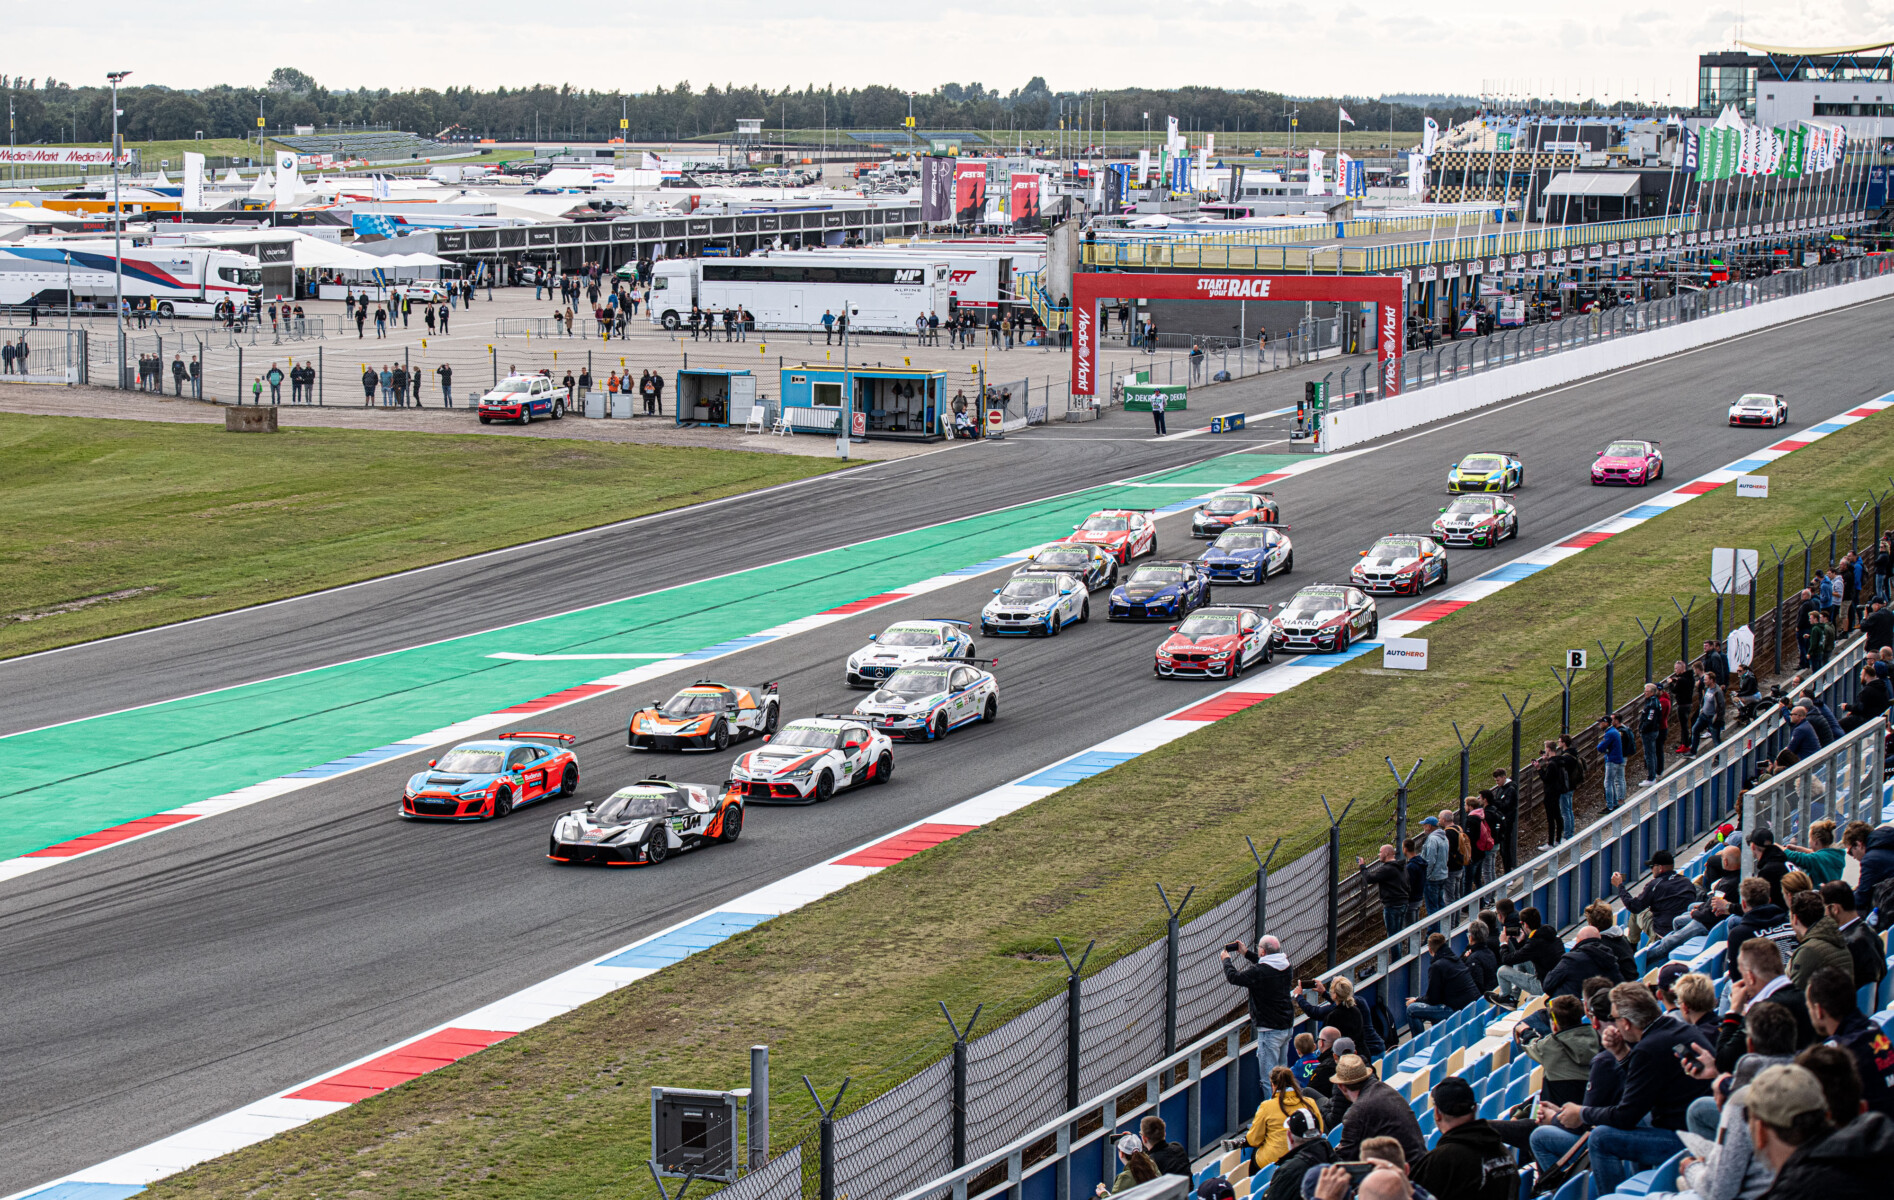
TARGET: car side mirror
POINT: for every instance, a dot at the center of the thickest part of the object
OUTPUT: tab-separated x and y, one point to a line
1065	591
1364	554
1443	510
996	591
875	637
1173	629
767	736
1600	454
432	761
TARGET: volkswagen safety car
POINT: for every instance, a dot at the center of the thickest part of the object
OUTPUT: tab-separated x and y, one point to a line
1157	590
1325	617
1401	564
1487	471
1037	602
907	642
1759	408
707	715
489	779
1629	463
646	823
521	398
1124	532
1250	554
926	701
1477	521
1093	564
811	759
1217	641
1227	510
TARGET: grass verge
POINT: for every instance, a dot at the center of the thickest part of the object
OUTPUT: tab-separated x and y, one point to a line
111	526
848	985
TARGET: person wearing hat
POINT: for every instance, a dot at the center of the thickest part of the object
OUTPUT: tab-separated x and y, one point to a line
1138	1166
1665	898
1374	1110
1308	1151
1469	1161
1434	849
1790	1127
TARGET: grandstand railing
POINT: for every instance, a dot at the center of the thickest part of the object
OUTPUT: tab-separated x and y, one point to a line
1202	1089
1841	781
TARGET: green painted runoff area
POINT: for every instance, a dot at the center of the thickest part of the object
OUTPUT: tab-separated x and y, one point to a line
83	776
1224	470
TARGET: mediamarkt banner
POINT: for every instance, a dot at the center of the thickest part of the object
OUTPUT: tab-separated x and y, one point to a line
100	156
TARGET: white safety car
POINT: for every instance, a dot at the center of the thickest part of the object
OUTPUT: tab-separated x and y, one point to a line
1037	602
812	758
908	642
521	398
923	702
1760	408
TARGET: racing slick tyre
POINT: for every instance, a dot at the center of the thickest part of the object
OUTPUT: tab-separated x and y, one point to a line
1444	568
1374	628
1341	641
770	718
1053	624
939	728
971	652
1785	418
986	629
486	420
992	712
720	735
558	410
502	803
1085	611
824	786
569	783
732	824
1235	669
1288	562
657	847
884	767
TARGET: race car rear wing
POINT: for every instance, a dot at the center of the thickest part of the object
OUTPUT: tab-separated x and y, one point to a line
978	662
949	621
523	735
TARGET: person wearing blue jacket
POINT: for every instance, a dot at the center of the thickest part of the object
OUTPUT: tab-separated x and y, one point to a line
1611	749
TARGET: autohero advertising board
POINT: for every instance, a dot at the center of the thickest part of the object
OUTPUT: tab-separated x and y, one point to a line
970	191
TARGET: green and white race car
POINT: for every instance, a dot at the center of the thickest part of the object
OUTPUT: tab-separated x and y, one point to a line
1477	521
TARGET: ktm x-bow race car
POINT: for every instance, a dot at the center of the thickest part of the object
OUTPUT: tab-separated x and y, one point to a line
480	780
707	715
646	823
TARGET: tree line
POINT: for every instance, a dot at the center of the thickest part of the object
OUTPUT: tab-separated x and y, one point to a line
53	111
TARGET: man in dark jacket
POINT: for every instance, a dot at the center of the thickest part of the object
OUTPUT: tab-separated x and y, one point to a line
1665	898
1813	1160
1762	979
1553	784
1169	1156
1524	963
1869	702
1450	985
1873	852
1468	1162
1390	881
1374	1110
1864	945
1772	862
1834	1013
1651	723
1265	973
1760	918
1502	806
1655	1087
1308	1151
1415	864
1588	957
1682	686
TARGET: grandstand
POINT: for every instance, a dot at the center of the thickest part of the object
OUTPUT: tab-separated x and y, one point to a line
1013	1139
372	146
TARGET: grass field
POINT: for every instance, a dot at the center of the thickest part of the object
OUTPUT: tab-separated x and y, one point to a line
849	985
110	526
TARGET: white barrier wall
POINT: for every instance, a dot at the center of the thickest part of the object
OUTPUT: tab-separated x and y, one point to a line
1346	427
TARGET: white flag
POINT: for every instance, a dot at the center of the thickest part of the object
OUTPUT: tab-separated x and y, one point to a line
286	183
1317	186
1345	116
1430	133
193	181
1416	175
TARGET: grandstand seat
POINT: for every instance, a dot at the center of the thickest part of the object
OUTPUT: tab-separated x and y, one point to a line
1227	1163
1516	1093
1335	1136
1691	948
1261	1179
1245	1187
1578	1187
1886	994
1489	1105
1427	1125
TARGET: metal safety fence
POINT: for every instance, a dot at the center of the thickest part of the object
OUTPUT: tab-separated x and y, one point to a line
1841	782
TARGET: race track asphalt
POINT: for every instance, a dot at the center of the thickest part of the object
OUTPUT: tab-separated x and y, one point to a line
171	979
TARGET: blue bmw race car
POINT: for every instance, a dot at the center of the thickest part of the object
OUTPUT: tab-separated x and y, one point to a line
1158	591
1249	554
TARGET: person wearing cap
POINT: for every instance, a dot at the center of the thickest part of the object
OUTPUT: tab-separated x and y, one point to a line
1836	1015
1790	1127
1469	1161
1215	1188
1374	1110
1525	961
1656	1090
1435	850
1265	973
1665	898
1308	1151
1138	1167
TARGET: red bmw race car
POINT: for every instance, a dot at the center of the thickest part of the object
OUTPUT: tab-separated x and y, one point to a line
1216	642
479	780
1125	533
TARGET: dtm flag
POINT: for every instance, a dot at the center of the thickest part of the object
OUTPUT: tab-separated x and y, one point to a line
1342	113
1430	133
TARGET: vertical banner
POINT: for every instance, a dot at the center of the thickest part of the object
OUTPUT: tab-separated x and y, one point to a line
1180	174
1430	133
285	177
1144	166
970	191
1690	149
1416	175
193	181
1317	185
1117	177
1025	211
937	190
1209	148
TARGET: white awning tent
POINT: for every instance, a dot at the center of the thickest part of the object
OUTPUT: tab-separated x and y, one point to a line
412	259
1575	183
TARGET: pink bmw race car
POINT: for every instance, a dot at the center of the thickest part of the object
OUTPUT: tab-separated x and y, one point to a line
1628	463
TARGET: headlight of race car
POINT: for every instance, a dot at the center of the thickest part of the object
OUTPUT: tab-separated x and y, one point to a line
798	773
630	833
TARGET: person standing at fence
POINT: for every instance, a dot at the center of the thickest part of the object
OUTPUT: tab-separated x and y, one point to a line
1710	711
1434	849
400	374
178	372
1266	975
446	372
1821	640
1157	413
1682	686
275	377
1552	786
1652	718
1390	881
1611	750
197	378
256	391
387	380
1196	363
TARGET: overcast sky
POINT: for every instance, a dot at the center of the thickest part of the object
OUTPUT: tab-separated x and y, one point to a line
1606	48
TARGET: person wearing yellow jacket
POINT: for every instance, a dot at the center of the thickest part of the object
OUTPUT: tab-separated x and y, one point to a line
1266	1130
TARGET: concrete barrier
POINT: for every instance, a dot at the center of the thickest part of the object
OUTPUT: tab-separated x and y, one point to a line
1344	427
250	420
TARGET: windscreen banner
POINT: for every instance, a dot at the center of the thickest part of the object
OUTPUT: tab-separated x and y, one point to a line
937	190
970	191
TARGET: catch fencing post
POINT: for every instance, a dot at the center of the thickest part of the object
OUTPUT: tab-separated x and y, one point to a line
1262	890
1781	570
1833	529
1074	1018
689	1178
1512	826
1565	700
1172	938
960	1079
1334	885
1611	673
318	376
239	372
1854	522
1400	797
1466	759
826	1178
1650	645
1683	632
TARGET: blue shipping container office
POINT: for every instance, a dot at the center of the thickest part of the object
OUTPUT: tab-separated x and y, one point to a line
896	402
715	397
